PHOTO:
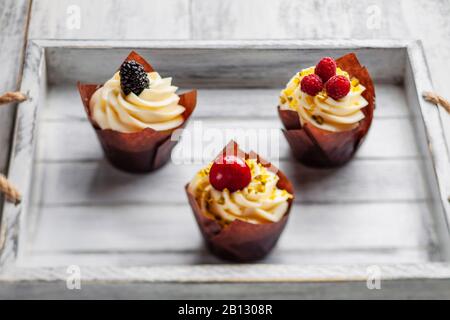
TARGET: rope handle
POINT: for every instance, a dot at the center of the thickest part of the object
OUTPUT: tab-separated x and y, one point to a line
6	187
9	190
436	99
12	97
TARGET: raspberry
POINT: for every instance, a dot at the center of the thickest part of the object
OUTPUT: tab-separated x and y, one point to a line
133	78
311	84
337	87
230	172
326	68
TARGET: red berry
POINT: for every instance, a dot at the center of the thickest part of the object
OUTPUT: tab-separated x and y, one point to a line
326	68
337	87
311	84
230	172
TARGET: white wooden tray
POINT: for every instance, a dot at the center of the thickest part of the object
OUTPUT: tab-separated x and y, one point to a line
135	235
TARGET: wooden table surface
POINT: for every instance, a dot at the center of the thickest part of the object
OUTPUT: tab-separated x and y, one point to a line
20	20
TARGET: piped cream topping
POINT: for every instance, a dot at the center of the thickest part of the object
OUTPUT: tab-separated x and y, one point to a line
322	111
260	202
156	107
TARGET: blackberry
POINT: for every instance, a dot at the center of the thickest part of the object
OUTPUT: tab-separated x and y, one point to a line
133	77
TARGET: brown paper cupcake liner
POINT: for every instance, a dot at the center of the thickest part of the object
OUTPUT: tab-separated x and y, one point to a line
319	148
241	241
141	151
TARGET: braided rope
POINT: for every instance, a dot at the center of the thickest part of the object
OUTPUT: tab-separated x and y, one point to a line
437	99
12	97
11	193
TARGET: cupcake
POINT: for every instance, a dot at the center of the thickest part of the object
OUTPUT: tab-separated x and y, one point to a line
327	111
135	113
241	204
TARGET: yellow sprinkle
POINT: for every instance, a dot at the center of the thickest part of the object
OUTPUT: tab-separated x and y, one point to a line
293	103
355	82
288	91
309	100
322	96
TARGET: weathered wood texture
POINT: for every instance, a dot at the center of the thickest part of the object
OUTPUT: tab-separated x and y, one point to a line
196	19
13	24
399	289
85	212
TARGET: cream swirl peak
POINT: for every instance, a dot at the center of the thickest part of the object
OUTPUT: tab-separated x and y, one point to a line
155	107
321	110
259	202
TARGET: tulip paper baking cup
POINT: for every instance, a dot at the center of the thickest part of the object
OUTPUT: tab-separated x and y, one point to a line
319	148
241	241
141	151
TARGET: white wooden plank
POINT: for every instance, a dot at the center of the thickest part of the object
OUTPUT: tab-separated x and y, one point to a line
23	145
420	287
172	229
298	20
84	145
99	183
35	259
256	68
110	19
64	103
13	18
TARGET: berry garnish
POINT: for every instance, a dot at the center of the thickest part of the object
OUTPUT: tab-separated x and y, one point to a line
337	87
311	84
326	68
133	77
230	172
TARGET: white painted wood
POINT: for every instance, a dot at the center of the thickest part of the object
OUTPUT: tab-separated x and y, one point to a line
431	129
397	289
53	144
41	259
249	60
97	183
22	153
153	238
13	25
110	19
309	19
86	199
234	273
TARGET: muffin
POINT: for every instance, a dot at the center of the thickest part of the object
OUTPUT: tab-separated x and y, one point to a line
135	113
241	204
327	111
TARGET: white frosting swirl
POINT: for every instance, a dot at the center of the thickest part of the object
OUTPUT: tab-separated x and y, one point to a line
260	202
322	111
156	107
